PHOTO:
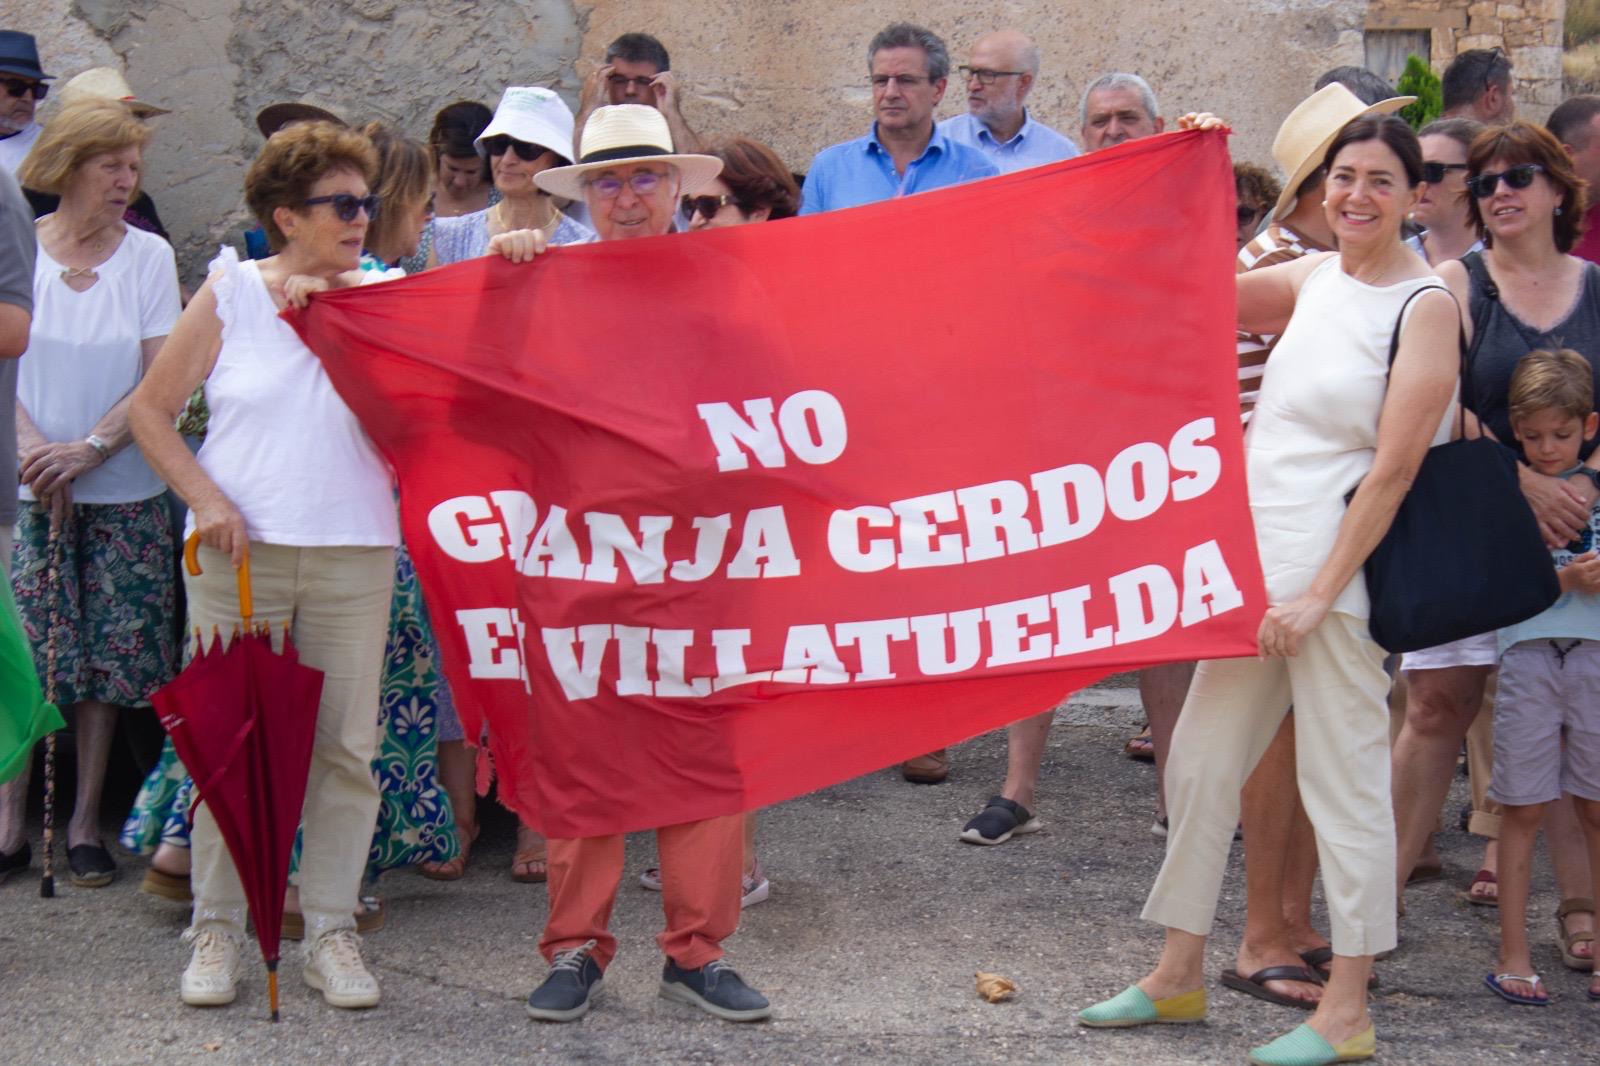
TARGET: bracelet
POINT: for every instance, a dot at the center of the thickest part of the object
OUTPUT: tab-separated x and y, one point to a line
99	445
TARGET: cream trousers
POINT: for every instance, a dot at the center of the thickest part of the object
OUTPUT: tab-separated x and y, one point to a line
337	602
1341	719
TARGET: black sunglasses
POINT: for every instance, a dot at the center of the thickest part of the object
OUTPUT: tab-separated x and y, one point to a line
1518	177
19	88
1433	173
526	152
346	206
707	206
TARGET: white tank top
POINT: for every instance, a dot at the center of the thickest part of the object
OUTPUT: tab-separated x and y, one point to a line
1314	432
281	444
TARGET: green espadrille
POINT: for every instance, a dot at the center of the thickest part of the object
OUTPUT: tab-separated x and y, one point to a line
1306	1047
1132	1007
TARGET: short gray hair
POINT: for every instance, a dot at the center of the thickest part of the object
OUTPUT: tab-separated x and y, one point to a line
908	35
1119	80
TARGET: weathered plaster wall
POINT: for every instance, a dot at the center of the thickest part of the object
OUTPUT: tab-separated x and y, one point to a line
791	72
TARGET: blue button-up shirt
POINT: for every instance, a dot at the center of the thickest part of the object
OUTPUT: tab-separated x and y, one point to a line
1033	145
862	172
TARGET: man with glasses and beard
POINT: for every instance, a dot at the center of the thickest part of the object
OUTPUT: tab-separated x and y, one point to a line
1477	85
22	86
905	153
999	76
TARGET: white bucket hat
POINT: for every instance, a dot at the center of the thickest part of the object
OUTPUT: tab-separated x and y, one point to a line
1305	135
532	115
627	133
107	83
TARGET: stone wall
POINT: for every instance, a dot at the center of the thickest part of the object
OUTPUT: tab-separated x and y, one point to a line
792	72
1528	31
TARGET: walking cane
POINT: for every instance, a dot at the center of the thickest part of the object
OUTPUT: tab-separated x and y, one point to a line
47	885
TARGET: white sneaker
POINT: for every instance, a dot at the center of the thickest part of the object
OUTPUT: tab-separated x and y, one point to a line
212	977
334	967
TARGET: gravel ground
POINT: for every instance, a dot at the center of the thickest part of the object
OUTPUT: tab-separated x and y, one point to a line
877	921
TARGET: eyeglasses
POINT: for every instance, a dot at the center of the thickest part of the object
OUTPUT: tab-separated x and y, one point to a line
618	81
1518	177
1248	214
708	206
19	88
1433	173
643	184
346	206
497	146
1488	71
907	81
987	77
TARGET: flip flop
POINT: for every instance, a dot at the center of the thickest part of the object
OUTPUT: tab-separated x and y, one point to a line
1482	877
531	867
1317	958
1141	747
1493	981
1256	984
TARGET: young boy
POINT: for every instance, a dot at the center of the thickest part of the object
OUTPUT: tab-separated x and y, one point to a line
1549	670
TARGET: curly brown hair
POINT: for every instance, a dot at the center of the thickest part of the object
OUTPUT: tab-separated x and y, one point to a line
1523	142
1255	185
296	158
757	177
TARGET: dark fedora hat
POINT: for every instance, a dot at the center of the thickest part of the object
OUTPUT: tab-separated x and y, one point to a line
19	55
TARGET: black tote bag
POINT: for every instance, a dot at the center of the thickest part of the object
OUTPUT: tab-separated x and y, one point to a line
1464	555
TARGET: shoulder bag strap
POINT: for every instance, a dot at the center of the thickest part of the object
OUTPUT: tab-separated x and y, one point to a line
1461	350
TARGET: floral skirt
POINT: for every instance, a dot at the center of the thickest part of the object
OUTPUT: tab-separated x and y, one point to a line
415	822
109	610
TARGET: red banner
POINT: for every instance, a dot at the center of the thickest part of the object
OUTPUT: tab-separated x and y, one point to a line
708	521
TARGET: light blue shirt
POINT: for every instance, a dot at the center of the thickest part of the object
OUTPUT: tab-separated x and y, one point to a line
1035	144
862	172
1576	615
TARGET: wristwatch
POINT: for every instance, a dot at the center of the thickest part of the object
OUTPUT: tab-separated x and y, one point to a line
98	444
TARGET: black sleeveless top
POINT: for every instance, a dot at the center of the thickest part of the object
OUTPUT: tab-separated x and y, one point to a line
1500	340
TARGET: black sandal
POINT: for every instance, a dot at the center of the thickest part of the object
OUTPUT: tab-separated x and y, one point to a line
999	820
91	865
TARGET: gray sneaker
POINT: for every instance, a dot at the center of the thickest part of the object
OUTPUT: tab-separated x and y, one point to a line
715	988
568	988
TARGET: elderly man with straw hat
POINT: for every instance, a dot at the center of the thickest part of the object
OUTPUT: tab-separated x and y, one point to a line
631	179
1281	955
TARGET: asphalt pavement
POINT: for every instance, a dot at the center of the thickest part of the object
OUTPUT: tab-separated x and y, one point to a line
877	922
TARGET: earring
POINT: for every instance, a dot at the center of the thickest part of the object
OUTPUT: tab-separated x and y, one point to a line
1324	203
1558	209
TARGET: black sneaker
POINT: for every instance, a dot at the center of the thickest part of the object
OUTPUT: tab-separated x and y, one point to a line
715	988
999	821
573	980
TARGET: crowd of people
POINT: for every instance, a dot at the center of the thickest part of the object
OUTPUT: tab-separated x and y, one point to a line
145	414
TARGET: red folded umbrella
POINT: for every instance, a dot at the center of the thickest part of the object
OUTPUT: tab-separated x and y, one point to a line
243	720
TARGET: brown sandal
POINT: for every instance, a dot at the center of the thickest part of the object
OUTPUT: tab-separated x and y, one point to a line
530	867
451	869
1574	961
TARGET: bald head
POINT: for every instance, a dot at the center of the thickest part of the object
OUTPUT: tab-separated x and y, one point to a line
1002	69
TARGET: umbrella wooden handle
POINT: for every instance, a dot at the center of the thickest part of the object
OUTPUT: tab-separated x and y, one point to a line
191	562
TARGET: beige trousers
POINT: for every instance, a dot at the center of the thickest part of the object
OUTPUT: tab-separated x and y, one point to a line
337	603
1341	719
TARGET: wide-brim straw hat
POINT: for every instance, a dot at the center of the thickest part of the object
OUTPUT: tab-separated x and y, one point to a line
107	83
533	115
274	117
1306	134
627	133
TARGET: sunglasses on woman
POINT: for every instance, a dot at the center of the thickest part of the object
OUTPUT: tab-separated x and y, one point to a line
497	146
1433	173
346	206
19	88
1518	177
707	206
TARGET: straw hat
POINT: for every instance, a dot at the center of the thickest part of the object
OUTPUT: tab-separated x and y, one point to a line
107	83
274	117
1305	135
532	115
626	133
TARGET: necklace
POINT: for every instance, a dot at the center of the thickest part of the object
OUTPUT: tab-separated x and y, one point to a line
547	227
79	272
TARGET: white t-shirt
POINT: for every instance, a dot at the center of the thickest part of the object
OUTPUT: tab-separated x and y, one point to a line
281	444
84	355
15	148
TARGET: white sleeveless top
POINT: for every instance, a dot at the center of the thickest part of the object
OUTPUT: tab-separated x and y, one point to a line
281	444
1314	433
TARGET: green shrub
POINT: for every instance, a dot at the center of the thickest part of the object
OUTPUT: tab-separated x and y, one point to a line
1583	22
1419	80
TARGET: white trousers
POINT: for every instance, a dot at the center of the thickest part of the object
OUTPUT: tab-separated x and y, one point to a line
337	601
1339	693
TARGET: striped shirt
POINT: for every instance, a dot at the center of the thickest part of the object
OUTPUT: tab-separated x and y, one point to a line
1274	245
